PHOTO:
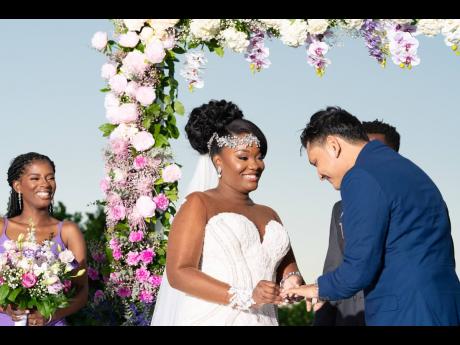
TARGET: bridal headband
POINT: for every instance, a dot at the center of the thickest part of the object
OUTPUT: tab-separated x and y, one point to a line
234	141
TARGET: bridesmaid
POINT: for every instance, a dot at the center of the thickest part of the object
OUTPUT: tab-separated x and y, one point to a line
32	181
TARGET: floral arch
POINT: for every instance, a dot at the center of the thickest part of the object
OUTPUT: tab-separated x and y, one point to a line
141	102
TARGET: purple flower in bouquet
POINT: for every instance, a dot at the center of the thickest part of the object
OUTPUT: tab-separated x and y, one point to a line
147	256
373	33
55	288
67	285
98	296
256	53
98	256
93	274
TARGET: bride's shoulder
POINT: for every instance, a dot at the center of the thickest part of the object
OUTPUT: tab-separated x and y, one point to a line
271	213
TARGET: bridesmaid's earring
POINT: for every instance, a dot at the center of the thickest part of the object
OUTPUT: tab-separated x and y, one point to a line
20	201
219	172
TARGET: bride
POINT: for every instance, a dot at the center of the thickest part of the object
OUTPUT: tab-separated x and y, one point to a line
226	254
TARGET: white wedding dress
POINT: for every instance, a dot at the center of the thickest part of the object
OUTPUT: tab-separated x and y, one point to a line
232	253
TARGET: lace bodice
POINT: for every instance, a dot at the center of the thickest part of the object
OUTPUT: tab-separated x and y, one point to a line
234	253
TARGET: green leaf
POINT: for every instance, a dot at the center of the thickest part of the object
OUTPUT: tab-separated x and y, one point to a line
105	89
107	128
219	51
167	99
179	50
146	123
179	108
12	296
4	290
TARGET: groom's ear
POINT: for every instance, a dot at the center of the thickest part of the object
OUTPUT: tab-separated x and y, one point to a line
333	146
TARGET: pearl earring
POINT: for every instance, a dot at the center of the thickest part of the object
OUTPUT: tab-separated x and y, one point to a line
219	172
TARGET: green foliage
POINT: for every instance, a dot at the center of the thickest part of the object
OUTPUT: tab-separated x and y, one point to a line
295	315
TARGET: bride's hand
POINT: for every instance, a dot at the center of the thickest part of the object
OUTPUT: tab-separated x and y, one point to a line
290	282
266	292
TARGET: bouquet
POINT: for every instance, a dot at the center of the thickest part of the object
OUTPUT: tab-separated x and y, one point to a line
32	276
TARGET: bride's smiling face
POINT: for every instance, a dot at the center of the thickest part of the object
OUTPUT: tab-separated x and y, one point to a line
241	167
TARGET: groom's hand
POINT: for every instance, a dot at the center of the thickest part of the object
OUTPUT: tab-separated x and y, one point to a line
292	281
266	292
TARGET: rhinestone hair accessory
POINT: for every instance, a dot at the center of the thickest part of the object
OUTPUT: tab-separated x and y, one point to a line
234	141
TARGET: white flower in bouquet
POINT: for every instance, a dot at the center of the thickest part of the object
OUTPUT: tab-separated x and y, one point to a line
134	24
134	64
111	100
142	141
235	40
55	268
99	40
317	26
146	34
40	268
293	33
9	245
145	206
51	280
66	256
429	27
155	51
129	40
272	23
204	29
118	83
401	21
124	131
108	70
450	25
161	25
353	24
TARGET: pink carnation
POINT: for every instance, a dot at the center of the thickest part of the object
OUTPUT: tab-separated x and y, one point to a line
117	254
113	244
145	296
147	255
161	201
136	236
124	291
142	274
155	280
132	258
140	162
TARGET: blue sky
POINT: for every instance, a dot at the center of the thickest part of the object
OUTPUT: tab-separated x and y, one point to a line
51	104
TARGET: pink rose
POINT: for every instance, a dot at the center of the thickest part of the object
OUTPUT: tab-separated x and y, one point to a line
142	141
105	185
28	280
136	236
93	274
99	40
128	113
117	212
145	296
161	201
118	83
140	162
145	206
108	71
171	173
129	40
145	95
147	255
142	274
132	258
124	291
155	51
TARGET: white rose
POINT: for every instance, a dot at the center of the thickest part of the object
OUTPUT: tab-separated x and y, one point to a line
235	40
118	83
146	34
145	95
129	40
145	206
204	29
317	26
142	141
124	131
160	25
111	100
99	40
66	256
108	70
134	24
293	34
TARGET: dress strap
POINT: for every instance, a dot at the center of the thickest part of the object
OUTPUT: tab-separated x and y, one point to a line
60	228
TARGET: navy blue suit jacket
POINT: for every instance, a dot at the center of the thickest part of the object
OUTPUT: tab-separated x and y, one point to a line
399	247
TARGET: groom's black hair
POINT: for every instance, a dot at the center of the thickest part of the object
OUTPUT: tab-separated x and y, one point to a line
333	121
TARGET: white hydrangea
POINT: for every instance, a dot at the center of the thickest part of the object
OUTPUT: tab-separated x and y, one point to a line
353	24
235	40
317	26
293	33
204	29
450	25
429	27
160	25
271	23
134	24
401	21
124	131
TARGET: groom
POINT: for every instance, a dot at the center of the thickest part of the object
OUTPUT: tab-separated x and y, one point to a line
399	247
350	311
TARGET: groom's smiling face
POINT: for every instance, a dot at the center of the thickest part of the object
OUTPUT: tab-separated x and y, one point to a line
326	158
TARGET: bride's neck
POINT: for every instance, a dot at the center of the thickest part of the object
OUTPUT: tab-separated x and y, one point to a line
233	195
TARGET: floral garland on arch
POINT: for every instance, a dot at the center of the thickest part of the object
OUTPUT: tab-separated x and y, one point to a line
140	185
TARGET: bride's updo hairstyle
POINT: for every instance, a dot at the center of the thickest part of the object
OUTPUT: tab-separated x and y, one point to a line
223	118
